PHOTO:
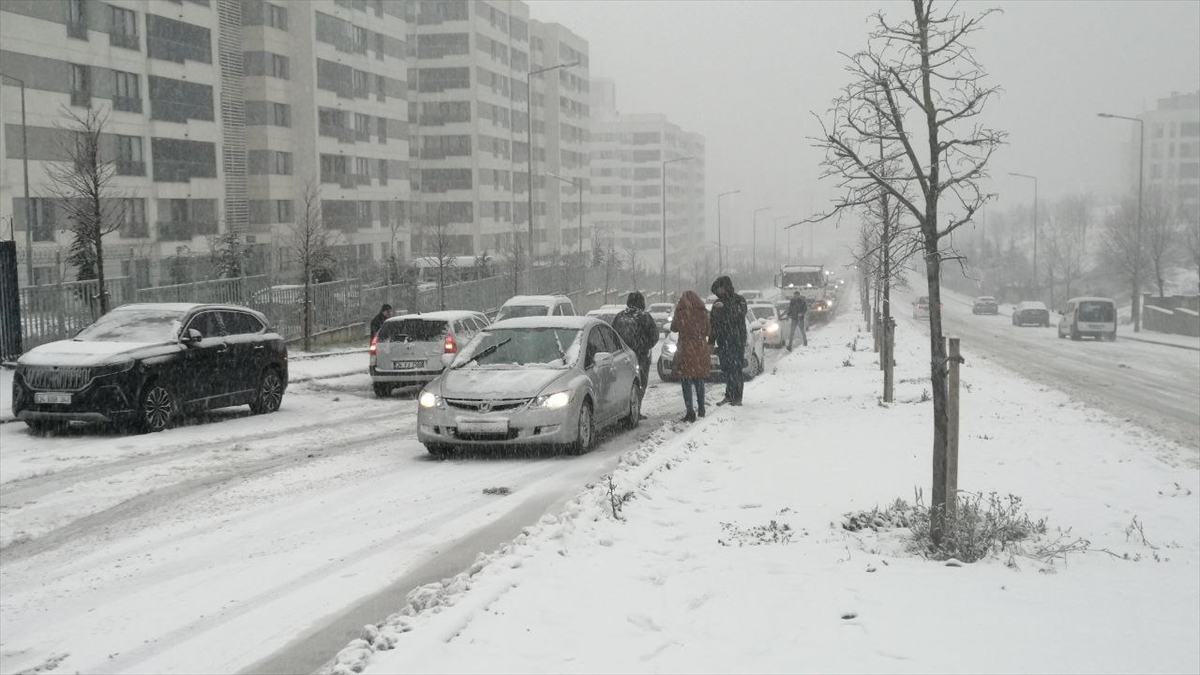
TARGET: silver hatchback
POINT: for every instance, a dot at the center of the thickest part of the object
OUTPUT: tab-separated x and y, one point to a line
532	381
410	350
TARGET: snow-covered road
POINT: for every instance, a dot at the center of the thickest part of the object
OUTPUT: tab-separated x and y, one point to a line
1154	386
237	538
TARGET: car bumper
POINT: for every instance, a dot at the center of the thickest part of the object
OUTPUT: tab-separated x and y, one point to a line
524	427
106	399
404	376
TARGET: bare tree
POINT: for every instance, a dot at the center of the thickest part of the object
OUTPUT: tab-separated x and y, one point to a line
437	245
1125	250
1161	232
227	255
919	91
312	244
634	259
514	254
82	186
395	225
1066	240
1191	237
605	253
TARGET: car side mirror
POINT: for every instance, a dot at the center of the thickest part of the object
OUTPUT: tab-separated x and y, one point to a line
447	359
191	337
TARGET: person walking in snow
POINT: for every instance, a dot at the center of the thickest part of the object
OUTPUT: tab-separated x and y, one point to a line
384	314
692	354
728	322
798	311
637	328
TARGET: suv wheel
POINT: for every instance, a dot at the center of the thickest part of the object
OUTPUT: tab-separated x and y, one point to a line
586	432
635	407
270	393
157	409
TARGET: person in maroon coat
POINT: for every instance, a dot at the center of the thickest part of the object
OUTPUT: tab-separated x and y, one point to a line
692	358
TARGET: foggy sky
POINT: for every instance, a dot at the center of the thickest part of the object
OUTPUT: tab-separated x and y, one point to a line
748	74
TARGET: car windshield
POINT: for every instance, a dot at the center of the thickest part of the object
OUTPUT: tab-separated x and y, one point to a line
763	312
507	347
134	324
1095	312
1036	306
518	311
412	330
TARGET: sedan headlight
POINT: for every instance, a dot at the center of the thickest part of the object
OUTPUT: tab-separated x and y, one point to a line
555	401
429	399
772	328
111	369
671	347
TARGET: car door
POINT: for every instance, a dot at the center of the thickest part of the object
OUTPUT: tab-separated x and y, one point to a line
207	363
247	351
624	366
1064	322
598	373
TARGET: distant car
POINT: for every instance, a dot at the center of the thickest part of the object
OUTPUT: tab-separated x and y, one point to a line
754	363
752	295
985	304
1031	312
607	313
921	307
1096	317
772	324
142	366
820	311
408	349
536	305
661	312
532	381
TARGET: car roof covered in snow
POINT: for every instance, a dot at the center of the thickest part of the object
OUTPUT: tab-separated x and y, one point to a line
444	315
565	322
984	297
535	299
1091	298
1032	304
182	307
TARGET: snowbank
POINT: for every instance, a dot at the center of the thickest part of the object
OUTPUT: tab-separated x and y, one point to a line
730	556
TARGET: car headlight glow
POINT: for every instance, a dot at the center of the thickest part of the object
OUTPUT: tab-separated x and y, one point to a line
428	399
671	347
553	401
111	369
772	328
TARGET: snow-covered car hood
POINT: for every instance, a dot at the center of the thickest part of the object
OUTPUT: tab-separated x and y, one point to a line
497	382
80	353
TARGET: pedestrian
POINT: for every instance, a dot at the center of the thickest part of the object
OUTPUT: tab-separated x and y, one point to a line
384	314
728	333
639	331
798	311
692	354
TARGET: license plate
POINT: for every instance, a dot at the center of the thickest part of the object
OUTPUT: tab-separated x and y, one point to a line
483	427
50	397
407	365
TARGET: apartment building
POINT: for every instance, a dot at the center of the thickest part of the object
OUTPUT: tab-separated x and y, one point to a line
629	155
220	115
1172	161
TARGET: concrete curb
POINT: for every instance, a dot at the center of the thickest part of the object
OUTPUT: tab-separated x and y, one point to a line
1126	336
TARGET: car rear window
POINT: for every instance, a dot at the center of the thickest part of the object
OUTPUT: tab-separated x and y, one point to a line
764	312
412	330
1095	312
517	311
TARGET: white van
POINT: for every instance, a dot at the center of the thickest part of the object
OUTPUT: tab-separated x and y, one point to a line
1096	317
536	305
408	350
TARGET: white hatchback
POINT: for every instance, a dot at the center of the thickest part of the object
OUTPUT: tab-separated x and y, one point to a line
408	350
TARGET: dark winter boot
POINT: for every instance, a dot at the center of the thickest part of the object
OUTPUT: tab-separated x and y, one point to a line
689	417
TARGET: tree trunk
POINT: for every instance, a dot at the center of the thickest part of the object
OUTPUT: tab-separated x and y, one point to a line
307	327
103	295
937	385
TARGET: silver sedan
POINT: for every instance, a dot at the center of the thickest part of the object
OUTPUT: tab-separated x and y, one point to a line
547	380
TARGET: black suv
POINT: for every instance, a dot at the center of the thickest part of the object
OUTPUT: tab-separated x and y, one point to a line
141	365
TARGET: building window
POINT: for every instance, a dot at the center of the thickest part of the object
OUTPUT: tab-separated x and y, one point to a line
42	213
123	32
283	210
279	66
77	20
379	40
281	163
361	84
130	160
360	39
277	17
133	219
362	169
127	92
362	127
382	130
81	85
383	172
281	115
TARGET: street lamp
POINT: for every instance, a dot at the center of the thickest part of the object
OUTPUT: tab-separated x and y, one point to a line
665	162
1137	282
720	262
1035	224
578	185
25	171
529	163
754	240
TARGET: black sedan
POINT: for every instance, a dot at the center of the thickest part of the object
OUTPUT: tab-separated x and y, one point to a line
1031	312
141	366
985	305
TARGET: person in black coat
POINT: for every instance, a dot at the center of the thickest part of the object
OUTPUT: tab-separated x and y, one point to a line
728	333
384	314
797	310
639	331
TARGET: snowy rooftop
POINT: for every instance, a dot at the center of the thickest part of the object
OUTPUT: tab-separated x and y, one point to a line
568	322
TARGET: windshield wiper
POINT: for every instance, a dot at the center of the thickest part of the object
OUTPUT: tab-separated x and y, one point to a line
485	352
558	343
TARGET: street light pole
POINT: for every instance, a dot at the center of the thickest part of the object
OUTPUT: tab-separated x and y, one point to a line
578	185
1035	224
665	162
25	174
754	240
529	158
1137	281
720	249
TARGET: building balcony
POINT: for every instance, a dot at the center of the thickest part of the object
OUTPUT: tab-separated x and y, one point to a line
77	30
126	167
125	40
127	104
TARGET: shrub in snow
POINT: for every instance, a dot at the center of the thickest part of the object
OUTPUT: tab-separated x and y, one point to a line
771	533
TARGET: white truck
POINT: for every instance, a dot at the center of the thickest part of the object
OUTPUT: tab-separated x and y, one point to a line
812	281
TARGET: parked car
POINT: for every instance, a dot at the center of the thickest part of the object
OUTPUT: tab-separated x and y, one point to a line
921	307
1096	317
662	311
752	295
985	304
550	380
408	349
1031	312
606	313
772	324
143	365
756	355
536	305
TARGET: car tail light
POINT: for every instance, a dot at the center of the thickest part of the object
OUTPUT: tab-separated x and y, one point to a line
375	345
450	347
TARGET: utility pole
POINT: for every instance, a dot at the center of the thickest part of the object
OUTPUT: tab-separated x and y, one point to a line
578	185
25	174
1035	225
529	158
1137	280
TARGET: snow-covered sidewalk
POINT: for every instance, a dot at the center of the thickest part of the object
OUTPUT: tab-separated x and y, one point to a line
730	555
